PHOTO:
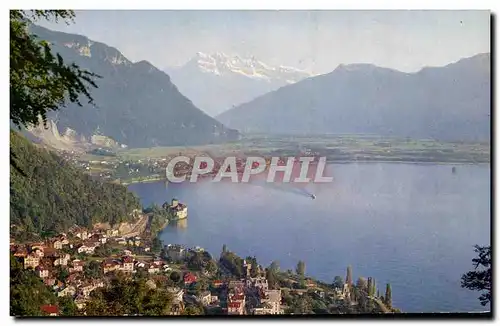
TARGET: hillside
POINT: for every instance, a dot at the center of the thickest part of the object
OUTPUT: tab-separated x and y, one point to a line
445	103
55	195
217	82
136	104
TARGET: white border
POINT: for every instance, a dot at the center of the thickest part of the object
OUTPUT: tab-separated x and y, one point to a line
185	4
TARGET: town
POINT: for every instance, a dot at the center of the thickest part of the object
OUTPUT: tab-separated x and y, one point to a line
80	262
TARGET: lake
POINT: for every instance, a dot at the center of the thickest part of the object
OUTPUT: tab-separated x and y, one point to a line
412	225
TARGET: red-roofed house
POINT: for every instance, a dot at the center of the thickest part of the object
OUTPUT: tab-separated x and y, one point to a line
217	283
50	310
235	308
189	278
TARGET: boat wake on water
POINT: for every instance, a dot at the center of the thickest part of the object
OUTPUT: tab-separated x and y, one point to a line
289	188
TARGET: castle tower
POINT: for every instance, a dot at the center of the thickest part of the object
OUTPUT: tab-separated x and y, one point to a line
175	202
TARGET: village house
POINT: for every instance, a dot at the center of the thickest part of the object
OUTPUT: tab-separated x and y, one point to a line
87	288
41	271
140	264
63	239
74	279
110	265
176	292
21	252
112	233
127	264
38	252
235	308
58	286
37	245
98	239
80	301
236	284
77	266
57	244
121	241
62	260
49	281
67	291
153	269
189	278
86	249
82	234
271	299
50	310
258	282
217	284
236	301
31	261
50	253
205	298
127	252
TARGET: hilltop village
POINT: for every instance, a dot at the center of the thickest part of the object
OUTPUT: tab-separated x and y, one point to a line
78	264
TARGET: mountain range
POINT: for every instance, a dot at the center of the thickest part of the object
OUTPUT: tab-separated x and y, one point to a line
445	103
217	82
136	104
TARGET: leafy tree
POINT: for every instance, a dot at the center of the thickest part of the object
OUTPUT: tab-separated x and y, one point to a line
39	80
233	263
338	282
211	267
102	251
129	297
301	268
141	273
480	278
195	262
157	245
275	266
272	279
27	292
371	287
92	270
388	296
67	306
53	195
62	273
200	286
175	277
348	278
192	310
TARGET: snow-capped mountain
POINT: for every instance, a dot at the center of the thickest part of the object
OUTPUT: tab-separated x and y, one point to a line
217	82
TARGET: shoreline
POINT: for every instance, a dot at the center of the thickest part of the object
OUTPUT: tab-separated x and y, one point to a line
126	183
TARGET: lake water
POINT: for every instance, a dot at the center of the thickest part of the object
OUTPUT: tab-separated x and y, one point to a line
411	225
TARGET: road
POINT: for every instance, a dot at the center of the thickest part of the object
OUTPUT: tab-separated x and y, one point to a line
139	227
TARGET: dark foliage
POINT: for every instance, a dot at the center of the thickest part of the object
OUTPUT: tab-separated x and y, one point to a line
55	195
480	278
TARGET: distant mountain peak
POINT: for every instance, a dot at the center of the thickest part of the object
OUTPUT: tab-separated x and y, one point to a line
221	64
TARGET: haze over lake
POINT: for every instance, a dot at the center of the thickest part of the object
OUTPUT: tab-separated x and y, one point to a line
411	225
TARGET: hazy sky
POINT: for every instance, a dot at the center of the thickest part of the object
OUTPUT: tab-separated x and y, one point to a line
314	40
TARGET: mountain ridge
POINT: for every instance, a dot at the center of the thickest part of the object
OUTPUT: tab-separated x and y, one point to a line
440	102
136	103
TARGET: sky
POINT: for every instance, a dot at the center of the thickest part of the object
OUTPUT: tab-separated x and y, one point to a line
317	41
